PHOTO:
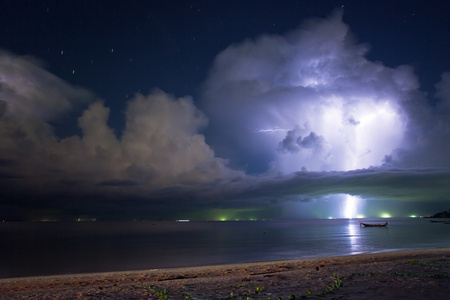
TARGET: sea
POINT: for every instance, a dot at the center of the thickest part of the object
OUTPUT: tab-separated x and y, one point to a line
54	248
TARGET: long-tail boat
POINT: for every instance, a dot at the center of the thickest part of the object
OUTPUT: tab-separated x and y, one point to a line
373	225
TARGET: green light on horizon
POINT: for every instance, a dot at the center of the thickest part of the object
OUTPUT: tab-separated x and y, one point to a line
385	215
413	216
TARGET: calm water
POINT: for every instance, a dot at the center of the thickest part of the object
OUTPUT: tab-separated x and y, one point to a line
30	249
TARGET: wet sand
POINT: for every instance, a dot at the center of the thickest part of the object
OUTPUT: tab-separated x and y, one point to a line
422	274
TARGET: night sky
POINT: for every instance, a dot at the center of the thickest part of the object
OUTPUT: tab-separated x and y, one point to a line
210	110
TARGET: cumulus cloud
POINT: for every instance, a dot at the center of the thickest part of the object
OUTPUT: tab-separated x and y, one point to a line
443	93
293	142
316	83
161	144
28	91
425	143
307	101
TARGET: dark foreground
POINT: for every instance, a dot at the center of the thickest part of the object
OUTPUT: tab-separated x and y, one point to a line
422	274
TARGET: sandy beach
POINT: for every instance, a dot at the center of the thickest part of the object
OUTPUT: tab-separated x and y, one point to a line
422	274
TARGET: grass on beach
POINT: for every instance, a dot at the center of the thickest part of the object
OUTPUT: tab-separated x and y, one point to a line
401	275
252	291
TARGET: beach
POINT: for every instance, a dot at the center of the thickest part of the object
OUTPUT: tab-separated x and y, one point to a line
416	274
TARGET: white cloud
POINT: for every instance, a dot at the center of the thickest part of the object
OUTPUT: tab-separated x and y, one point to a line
161	139
309	100
313	80
161	144
32	92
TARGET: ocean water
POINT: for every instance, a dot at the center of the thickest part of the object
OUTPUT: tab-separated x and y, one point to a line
49	248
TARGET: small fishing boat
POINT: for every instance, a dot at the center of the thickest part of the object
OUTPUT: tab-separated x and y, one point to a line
373	225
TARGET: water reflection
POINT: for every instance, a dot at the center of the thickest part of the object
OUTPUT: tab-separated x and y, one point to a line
40	248
354	234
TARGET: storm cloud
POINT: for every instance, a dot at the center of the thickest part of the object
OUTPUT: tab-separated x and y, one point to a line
314	89
289	118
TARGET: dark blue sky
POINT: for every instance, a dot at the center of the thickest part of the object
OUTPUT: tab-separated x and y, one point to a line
188	109
118	48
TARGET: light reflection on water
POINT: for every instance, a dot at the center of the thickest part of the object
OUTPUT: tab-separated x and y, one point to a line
29	249
354	237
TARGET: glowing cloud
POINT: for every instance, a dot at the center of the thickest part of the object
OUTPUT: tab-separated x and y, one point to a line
307	112
342	111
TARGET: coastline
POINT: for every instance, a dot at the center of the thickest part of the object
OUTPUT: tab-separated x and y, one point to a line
403	274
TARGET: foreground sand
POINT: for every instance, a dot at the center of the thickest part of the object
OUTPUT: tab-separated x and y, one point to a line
420	274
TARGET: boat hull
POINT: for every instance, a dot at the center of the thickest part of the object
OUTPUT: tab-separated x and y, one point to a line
373	225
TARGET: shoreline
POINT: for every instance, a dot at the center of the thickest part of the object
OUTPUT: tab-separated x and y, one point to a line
413	273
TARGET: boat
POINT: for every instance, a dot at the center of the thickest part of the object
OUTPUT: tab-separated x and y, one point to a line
373	225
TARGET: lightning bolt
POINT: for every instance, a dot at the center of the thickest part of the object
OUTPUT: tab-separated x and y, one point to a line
272	130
